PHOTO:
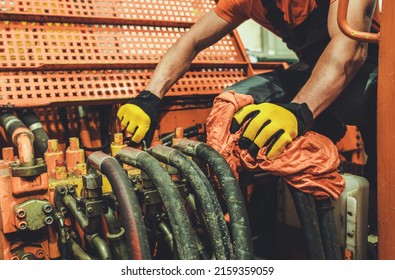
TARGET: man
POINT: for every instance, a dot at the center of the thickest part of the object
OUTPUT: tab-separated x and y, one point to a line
332	84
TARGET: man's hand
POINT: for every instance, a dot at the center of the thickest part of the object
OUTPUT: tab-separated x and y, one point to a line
272	125
139	116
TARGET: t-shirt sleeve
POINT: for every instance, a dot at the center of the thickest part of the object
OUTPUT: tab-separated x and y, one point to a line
233	11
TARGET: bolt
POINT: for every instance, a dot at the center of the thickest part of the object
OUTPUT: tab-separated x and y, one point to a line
22	225
89	210
48	220
63	210
21	213
71	189
40	254
147	198
47	208
62	190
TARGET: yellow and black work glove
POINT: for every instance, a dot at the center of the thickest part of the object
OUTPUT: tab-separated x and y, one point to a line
139	116
271	125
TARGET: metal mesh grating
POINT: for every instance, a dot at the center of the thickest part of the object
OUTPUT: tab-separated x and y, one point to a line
62	51
31	89
157	10
25	44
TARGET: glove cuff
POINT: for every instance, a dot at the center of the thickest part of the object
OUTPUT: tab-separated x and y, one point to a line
304	116
147	97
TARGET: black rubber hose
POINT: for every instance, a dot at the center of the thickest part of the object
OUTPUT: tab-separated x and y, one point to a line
327	224
171	198
129	208
71	204
77	251
309	223
10	122
23	138
30	119
239	222
100	245
217	227
116	236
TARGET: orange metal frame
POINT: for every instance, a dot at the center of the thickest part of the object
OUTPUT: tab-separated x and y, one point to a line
385	124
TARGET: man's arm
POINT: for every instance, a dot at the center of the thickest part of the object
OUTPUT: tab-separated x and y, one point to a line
275	125
207	31
341	59
139	115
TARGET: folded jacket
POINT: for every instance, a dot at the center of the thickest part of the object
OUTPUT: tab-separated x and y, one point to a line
309	163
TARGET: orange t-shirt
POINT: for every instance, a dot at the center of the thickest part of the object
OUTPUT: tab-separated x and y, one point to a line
237	11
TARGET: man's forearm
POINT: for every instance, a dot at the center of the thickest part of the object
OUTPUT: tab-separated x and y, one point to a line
332	73
172	66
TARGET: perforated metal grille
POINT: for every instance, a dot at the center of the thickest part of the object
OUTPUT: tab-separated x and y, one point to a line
159	10
26	44
57	51
31	89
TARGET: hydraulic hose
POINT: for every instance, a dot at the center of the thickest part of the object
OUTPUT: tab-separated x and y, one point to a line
116	236
205	194
81	219
309	223
77	251
100	246
30	119
327	224
171	198
129	208
21	136
239	222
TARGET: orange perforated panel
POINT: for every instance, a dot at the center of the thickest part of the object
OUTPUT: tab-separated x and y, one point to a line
31	89
59	51
100	10
27	44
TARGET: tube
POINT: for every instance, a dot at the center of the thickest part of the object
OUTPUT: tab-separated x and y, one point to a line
171	198
116	236
327	224
206	196
22	137
240	227
61	234
129	208
309	223
30	119
77	251
100	246
71	204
